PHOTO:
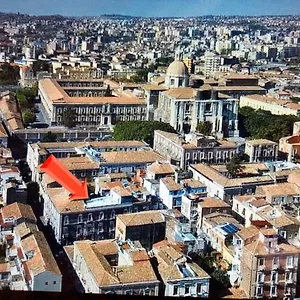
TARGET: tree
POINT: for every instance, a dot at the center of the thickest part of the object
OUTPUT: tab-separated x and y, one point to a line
68	118
139	130
221	276
9	74
234	167
28	117
204	127
50	137
261	124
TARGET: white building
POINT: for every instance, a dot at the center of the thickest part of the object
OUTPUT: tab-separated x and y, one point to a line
212	63
183	107
180	277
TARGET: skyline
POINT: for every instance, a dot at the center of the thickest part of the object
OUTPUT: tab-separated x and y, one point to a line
159	8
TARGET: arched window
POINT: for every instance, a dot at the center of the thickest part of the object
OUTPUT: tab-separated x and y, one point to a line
105	120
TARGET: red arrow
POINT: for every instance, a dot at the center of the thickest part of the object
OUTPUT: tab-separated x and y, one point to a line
56	170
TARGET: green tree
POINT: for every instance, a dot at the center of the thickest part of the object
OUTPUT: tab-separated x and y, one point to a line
50	137
263	124
9	74
204	127
221	276
28	117
139	130
234	166
68	118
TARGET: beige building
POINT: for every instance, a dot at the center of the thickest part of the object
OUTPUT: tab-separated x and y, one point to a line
193	149
261	150
274	105
264	266
112	267
147	227
255	208
92	106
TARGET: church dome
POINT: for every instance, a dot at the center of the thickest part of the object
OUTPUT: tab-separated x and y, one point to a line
177	69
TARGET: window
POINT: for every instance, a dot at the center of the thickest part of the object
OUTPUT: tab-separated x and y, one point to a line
260	277
79	230
66	220
54	282
289	261
90	217
175	290
208	107
172	81
244	211
112	214
273	290
199	288
187	289
80	218
274	276
261	261
46	282
275	261
65	230
101	215
259	291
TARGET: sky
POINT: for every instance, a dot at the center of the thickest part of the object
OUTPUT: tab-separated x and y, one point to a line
152	8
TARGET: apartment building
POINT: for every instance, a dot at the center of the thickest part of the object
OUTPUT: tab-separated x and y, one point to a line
170	193
32	266
274	105
91	109
261	150
113	267
159	170
194	148
209	205
38	153
14	190
181	277
147	227
266	266
219	229
212	63
255	208
13	214
93	219
195	191
223	187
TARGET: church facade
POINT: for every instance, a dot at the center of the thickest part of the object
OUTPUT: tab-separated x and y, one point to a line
183	107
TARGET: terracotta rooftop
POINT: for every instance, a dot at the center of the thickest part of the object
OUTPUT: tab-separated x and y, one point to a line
170	260
94	254
212	202
161	168
171	185
57	95
279	189
17	211
222	180
42	260
117	157
142	218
